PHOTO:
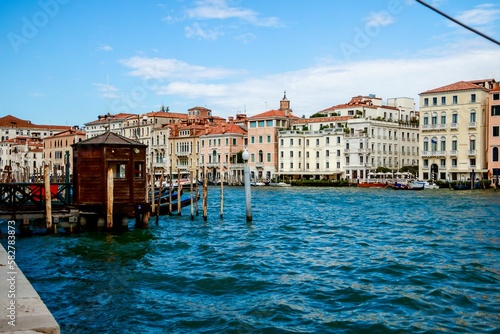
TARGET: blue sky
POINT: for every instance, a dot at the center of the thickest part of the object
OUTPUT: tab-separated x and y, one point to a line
67	61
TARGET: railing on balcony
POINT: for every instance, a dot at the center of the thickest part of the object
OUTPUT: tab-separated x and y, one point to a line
472	125
433	153
454	126
471	152
453	152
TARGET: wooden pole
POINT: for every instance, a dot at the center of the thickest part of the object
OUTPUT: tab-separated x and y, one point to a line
110	199
221	193
48	197
170	193
159	197
205	192
197	179
152	186
179	189
191	194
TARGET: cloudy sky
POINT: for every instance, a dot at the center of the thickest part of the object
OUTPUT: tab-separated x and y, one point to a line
67	61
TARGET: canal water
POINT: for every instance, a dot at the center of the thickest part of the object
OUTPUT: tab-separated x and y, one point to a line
313	260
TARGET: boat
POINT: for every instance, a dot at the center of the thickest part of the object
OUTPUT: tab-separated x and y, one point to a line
185	201
427	184
373	184
460	186
283	184
398	186
415	186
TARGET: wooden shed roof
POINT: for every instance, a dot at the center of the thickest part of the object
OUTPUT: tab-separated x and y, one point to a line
109	138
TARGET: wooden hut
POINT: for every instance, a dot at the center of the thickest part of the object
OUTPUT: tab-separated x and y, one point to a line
110	157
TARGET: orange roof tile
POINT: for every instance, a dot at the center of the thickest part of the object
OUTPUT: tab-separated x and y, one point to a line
457	86
272	113
322	119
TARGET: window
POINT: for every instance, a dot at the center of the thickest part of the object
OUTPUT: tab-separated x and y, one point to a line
472	144
338	140
496	131
234	141
291	165
434	119
269	123
473	116
426	144
434	101
443	100
454	118
317	154
119	170
443	163
317	142
338	153
281	142
454	163
443	118
473	98
327	165
138	168
443	144
252	139
291	154
494	152
260	139
454	144
282	154
307	154
455	99
426	102
307	142
261	124
496	96
327	153
253	124
268	157
338	164
426	163
268	138
426	120
291	142
328	140
495	110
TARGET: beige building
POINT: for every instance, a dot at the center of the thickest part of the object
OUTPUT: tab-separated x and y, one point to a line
454	128
494	134
221	148
313	148
58	152
263	140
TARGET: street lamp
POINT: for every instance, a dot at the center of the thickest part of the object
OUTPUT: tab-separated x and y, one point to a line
248	194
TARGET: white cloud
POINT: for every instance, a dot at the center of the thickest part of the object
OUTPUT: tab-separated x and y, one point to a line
480	15
219	9
382	18
316	88
106	48
171	69
193	90
197	31
105	90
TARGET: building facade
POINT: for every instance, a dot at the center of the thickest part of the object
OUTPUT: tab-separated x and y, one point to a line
454	127
263	140
494	133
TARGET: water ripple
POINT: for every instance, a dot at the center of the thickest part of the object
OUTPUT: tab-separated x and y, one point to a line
312	261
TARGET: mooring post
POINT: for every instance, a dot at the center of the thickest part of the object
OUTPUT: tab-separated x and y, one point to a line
221	193
248	192
191	194
109	199
205	193
179	190
170	193
48	197
159	197
197	179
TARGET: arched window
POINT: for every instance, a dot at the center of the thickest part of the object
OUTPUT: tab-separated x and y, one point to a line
443	144
434	144
426	144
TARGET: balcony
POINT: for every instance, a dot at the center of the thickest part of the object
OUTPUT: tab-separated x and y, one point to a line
347	151
471	152
454	153
472	125
454	126
433	153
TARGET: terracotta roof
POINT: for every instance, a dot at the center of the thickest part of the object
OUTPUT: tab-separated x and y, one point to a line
14	122
228	128
109	138
166	114
495	89
68	132
273	113
322	119
457	86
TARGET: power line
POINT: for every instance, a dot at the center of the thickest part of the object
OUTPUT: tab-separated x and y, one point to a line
458	22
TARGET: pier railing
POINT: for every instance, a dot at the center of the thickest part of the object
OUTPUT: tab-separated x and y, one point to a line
31	196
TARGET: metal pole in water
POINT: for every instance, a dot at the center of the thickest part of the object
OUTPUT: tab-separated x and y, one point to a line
248	192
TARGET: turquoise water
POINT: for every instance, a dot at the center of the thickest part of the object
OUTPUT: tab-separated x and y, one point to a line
314	260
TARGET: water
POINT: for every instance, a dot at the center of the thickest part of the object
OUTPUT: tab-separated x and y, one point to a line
314	260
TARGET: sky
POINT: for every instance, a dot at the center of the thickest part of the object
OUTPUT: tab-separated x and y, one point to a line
64	62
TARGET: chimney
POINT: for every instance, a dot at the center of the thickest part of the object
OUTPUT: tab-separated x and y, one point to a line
223	127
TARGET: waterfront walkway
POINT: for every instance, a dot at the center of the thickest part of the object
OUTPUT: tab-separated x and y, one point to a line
22	310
